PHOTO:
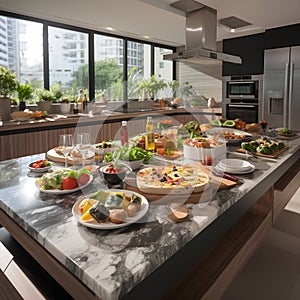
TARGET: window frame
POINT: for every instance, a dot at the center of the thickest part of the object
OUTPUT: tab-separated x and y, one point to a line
91	49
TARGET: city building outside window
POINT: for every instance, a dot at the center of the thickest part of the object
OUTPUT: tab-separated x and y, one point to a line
68	60
22	51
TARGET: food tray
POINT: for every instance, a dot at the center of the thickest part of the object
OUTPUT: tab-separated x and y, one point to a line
273	155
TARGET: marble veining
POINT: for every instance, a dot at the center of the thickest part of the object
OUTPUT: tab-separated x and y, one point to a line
111	262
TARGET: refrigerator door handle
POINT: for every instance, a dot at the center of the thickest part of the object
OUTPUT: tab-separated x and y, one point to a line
289	108
286	94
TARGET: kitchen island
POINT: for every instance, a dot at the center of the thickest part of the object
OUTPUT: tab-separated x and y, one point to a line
155	258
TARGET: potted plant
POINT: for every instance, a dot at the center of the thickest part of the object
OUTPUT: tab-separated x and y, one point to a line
8	85
186	91
55	89
65	106
45	98
155	86
24	92
173	85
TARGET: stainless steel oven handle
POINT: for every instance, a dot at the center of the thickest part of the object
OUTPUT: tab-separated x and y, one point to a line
242	96
236	105
239	82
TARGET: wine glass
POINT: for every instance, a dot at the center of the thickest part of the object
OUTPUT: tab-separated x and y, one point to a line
65	145
83	144
264	125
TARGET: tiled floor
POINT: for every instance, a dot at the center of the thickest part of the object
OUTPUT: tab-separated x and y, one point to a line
273	273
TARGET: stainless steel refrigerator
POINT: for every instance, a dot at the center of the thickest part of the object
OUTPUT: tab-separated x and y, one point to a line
281	104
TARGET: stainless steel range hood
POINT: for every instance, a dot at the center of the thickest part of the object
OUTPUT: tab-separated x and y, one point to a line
201	36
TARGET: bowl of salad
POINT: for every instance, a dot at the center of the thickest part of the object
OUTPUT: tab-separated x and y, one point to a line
132	156
39	166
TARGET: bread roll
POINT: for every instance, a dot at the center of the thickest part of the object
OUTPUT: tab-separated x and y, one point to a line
117	216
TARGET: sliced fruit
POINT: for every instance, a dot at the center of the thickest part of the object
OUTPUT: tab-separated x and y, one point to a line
86	217
86	204
215	123
229	123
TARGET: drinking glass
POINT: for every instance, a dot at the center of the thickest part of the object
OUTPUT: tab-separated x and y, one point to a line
83	144
65	145
264	125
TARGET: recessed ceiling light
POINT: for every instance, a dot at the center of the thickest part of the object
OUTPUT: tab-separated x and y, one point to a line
232	30
109	28
146	36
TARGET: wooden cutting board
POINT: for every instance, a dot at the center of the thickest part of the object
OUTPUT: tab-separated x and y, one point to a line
215	184
54	156
273	155
288	137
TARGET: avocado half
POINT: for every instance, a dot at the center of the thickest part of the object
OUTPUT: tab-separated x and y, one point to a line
229	123
215	123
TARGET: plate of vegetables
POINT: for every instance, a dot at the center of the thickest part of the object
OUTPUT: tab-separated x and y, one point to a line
129	154
64	181
110	209
39	166
263	147
285	132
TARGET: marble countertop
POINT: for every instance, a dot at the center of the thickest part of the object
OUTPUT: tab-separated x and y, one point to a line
113	262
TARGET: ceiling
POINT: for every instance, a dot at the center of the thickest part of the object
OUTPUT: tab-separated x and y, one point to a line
262	14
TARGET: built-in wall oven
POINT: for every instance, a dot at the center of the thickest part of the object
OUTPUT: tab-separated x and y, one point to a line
242	97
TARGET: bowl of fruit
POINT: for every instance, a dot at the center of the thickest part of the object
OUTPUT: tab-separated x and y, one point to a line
115	173
39	166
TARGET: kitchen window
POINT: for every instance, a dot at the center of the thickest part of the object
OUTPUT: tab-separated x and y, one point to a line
81	63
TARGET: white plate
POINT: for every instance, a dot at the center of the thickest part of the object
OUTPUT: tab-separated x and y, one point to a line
227	170
109	225
221	130
147	183
103	151
39	170
53	155
61	192
233	163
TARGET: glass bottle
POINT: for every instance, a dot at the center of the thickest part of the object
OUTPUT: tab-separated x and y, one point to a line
75	109
124	133
84	103
149	143
80	100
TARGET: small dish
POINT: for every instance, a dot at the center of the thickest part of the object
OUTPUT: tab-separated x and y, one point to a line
41	169
117	176
103	148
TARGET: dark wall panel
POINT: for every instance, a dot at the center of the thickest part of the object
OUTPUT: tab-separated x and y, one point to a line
250	49
283	36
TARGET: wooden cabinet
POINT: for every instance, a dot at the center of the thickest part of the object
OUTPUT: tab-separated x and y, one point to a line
250	49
